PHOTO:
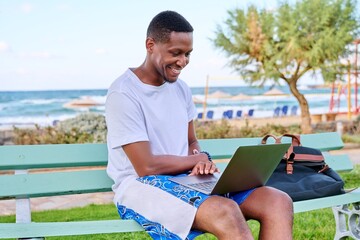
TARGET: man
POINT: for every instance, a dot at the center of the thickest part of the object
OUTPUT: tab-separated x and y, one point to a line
151	136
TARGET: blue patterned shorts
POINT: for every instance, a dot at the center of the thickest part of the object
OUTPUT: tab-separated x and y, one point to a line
190	196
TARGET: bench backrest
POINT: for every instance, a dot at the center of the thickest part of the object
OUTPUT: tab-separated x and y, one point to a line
37	157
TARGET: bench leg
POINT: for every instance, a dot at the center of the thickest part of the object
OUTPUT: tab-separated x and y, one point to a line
23	214
23	210
347	220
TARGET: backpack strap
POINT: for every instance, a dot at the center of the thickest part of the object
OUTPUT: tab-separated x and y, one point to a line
290	163
265	138
295	139
289	155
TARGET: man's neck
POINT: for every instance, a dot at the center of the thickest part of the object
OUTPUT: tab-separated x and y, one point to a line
147	77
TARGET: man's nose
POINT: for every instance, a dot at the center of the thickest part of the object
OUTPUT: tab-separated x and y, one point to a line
183	61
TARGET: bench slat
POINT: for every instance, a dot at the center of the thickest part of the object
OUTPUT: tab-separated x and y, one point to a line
54	183
73	155
52	155
224	148
62	183
338	163
324	141
117	226
20	230
325	202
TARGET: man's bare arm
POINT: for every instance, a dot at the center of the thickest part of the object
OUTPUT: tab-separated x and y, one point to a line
146	163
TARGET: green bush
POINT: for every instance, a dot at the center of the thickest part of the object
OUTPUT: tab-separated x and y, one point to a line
49	135
223	129
89	123
91	128
347	138
85	128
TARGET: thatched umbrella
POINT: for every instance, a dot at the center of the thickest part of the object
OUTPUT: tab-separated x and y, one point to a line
241	96
274	92
219	94
81	103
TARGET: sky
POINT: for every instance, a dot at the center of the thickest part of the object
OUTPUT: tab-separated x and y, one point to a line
87	44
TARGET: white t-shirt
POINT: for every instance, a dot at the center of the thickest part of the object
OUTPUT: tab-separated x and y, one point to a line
140	112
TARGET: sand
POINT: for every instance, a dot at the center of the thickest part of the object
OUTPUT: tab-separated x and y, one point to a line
289	120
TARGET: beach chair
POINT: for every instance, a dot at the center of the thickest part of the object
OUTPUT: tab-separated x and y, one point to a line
294	110
277	112
210	114
284	110
228	114
251	112
238	113
200	115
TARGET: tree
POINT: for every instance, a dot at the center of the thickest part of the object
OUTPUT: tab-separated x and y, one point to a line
310	36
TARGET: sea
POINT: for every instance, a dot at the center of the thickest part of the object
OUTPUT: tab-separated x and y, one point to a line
47	107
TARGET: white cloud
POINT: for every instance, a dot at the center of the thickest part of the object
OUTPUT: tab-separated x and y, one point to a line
4	47
38	55
63	7
44	54
100	51
26	8
22	72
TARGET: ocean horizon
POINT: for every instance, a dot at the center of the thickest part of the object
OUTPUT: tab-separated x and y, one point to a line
43	107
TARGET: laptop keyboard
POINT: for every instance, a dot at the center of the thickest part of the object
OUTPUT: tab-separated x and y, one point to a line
206	186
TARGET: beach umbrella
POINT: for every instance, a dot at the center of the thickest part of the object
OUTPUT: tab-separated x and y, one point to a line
274	92
241	96
197	100
219	94
81	103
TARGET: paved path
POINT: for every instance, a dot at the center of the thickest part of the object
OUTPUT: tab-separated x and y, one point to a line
7	207
353	152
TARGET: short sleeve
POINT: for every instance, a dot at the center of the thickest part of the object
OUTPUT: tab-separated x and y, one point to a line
124	120
191	110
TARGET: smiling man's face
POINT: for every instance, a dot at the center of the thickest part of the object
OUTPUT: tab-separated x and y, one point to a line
171	57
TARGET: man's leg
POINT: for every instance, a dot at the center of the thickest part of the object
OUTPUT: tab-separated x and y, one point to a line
223	218
273	209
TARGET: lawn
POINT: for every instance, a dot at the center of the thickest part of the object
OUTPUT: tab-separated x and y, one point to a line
317	224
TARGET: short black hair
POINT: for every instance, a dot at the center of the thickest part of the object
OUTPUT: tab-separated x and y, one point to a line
166	22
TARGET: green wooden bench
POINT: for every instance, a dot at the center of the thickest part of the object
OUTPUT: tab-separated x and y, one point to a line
26	183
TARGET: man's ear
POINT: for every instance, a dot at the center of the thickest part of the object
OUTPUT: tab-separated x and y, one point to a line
150	43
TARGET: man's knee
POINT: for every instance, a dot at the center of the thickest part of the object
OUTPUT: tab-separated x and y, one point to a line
279	200
224	207
217	213
221	217
284	199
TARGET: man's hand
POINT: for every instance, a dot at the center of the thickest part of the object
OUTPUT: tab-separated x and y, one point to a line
204	167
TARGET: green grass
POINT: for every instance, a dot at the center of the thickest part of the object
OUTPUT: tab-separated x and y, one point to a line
318	224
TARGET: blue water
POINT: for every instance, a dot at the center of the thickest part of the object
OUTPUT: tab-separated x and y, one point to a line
43	107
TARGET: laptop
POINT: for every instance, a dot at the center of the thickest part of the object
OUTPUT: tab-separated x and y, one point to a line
249	167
